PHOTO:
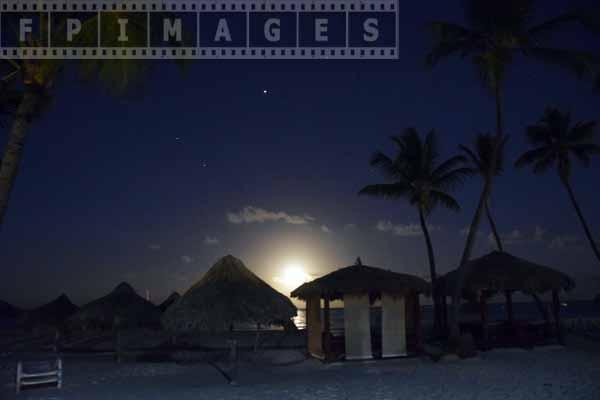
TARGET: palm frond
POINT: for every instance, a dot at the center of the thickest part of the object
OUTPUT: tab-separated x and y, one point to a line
385	165
532	156
560	22
584	152
538	135
583	132
582	64
453	179
543	164
446	200
472	157
449	39
449	165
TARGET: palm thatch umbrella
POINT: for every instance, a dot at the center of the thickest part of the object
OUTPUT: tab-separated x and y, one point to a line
500	271
122	308
229	295
54	313
360	278
169	301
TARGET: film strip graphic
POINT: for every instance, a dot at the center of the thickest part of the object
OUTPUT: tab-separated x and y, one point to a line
199	29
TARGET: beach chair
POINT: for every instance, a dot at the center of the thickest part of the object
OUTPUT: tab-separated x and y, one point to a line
30	373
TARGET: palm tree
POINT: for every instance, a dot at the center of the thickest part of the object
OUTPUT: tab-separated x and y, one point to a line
415	174
499	31
479	158
36	79
556	141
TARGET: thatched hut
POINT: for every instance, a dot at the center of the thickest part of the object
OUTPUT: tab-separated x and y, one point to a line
501	272
229	296
52	314
8	311
359	286
169	301
121	308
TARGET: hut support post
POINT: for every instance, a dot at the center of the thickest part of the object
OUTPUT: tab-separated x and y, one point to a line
484	319
444	314
418	328
233	361
556	309
509	309
327	329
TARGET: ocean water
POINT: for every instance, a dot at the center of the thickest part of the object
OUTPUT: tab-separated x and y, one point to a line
496	312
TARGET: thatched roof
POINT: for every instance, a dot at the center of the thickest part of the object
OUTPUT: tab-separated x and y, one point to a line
8	311
229	294
122	306
502	271
53	313
173	297
360	278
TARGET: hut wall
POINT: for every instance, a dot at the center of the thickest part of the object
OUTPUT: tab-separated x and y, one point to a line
393	324
357	327
313	327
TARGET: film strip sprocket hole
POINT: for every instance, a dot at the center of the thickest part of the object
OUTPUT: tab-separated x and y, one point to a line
252	29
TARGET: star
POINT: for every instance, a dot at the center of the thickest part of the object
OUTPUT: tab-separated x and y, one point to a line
265	91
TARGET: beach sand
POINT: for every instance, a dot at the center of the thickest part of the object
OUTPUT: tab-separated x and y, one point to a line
545	373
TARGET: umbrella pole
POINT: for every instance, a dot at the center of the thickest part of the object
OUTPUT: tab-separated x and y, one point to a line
257	338
233	361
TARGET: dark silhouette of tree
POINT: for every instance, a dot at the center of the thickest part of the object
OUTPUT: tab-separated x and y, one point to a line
416	175
497	32
480	160
36	79
557	142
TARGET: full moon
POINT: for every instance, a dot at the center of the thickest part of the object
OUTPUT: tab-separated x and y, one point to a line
293	275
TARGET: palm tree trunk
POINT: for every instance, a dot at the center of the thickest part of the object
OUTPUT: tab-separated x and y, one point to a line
432	271
14	149
588	233
493	226
454	328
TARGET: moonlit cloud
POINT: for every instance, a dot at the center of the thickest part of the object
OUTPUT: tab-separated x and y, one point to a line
325	229
186	259
251	215
517	236
410	230
564	241
465	231
350	227
211	241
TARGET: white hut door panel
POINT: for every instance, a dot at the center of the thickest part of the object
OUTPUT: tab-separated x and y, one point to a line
357	327
393	325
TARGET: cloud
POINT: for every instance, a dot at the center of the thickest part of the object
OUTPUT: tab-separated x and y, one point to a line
411	230
325	229
154	246
517	236
211	241
350	227
465	231
539	234
563	241
254	214
187	259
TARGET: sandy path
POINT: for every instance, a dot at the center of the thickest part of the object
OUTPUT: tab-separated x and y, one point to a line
545	373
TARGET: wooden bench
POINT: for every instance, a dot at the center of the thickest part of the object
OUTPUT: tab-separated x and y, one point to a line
30	373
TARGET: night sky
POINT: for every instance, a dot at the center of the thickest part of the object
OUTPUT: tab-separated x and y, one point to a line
151	187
